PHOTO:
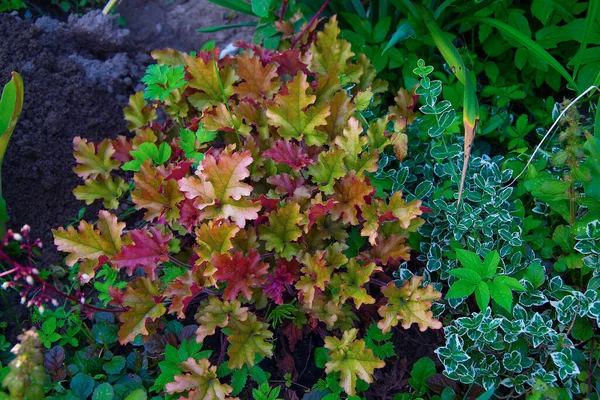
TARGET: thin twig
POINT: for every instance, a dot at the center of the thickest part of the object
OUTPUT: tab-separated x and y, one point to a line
310	23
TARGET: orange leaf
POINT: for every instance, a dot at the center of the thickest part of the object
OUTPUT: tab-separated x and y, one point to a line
141	297
91	161
350	193
155	194
259	80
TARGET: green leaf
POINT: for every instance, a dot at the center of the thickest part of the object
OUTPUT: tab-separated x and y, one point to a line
461	289
262	7
321	357
482	295
535	274
381	29
466	274
138	394
145	151
104	391
471	261
115	365
423	369
82	385
512	283
403	32
526	42
161	80
490	264
235	5
501	294
238	380
218	28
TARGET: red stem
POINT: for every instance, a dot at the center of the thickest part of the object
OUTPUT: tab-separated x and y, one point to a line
283	7
310	23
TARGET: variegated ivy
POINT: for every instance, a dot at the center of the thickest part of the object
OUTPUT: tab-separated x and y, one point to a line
250	190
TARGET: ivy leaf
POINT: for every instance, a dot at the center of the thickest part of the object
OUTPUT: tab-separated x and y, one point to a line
148	249
409	304
161	80
137	113
240	272
259	81
214	238
329	167
109	190
295	115
145	151
155	193
352	359
94	161
140	296
199	380
284	151
87	243
214	313
283	230
249	339
218	188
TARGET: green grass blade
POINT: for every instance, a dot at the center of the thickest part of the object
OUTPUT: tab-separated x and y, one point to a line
235	5
441	8
444	45
404	31
359	8
532	46
592	12
11	105
225	27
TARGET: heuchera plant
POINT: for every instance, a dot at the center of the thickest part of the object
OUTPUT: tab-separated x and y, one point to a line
255	193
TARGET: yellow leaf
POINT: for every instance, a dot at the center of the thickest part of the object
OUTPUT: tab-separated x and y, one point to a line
140	297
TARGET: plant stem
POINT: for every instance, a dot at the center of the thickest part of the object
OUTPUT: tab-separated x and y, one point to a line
310	23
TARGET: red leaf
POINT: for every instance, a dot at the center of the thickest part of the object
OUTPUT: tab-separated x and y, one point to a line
122	148
146	251
286	273
189	215
181	171
289	63
289	153
285	183
240	272
293	335
319	210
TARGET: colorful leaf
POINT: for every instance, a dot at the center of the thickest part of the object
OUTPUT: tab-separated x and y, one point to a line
409	304
259	81
199	381
355	159
141	298
248	340
214	313
203	72
316	275
241	273
295	114
157	195
94	161
109	190
148	249
330	55
329	167
352	359
214	238
351	282
283	151
87	243
350	194
137	113
218	188
283	230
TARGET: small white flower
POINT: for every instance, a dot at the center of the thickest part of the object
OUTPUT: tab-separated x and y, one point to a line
25	228
29	280
23	300
17	237
82	300
5	285
85	278
41	309
54	302
35	271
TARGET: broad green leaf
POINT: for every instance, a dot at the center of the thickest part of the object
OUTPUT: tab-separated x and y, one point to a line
510	282
535	274
471	261
501	294
466	274
262	7
104	391
138	394
235	5
482	295
11	104
115	365
461	289
423	369
82	385
490	264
